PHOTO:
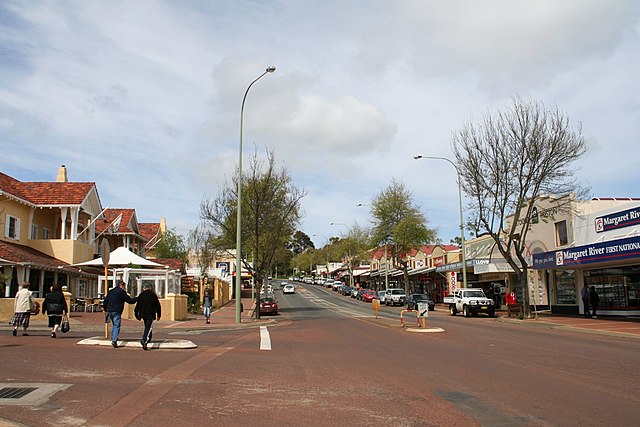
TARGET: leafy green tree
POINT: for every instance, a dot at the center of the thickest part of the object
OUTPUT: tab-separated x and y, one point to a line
172	245
300	242
399	224
510	159
270	214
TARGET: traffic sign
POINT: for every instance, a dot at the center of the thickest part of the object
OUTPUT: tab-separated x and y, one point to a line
423	309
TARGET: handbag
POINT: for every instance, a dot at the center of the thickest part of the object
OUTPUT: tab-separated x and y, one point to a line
34	308
64	326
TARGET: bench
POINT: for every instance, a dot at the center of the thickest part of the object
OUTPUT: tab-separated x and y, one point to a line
514	309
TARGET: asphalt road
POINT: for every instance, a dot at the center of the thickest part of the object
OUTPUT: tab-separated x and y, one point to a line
331	363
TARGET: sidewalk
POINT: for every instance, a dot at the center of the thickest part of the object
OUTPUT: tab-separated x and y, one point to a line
603	325
223	317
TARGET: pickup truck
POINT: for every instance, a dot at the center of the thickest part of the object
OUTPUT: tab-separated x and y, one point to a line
470	302
395	296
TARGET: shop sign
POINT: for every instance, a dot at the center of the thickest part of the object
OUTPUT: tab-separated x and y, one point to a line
618	220
534	218
597	252
494	267
453	282
458	265
438	261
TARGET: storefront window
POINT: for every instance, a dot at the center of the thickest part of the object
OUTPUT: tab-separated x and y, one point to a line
565	286
618	288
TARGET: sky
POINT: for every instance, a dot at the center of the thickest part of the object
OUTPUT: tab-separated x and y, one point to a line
144	97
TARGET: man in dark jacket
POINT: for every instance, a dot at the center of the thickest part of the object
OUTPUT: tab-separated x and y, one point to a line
114	306
148	309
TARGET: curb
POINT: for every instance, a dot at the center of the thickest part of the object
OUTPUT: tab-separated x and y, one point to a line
164	344
552	325
425	330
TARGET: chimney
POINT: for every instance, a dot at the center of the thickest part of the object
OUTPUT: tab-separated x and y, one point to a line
163	225
62	174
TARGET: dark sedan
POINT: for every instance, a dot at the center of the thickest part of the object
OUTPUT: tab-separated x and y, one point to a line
415	299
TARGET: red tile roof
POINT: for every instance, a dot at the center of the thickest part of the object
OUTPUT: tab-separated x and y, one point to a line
173	263
47	193
149	230
110	216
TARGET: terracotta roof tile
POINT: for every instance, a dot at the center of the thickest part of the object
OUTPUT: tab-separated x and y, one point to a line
47	193
173	263
149	230
110	216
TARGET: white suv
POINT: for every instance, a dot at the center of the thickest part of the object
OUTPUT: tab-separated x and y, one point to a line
395	296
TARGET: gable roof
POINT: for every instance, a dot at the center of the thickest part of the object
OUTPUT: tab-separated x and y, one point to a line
149	230
46	193
127	224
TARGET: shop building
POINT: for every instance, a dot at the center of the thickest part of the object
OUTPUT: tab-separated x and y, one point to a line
605	254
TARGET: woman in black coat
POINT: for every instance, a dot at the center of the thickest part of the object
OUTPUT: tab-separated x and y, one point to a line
56	305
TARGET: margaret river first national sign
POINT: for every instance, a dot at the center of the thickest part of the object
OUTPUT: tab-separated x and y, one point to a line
617	220
597	252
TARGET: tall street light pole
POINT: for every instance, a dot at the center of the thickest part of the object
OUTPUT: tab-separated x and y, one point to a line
348	254
238	288
464	255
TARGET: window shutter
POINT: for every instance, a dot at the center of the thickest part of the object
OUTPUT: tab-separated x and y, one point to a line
17	236
7	219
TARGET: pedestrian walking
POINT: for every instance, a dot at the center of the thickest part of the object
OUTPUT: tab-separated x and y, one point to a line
594	299
22	306
584	294
114	306
207	303
147	309
55	305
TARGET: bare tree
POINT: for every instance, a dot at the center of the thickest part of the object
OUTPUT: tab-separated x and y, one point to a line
508	161
200	244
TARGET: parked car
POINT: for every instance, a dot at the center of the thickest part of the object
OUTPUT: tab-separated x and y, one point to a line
414	299
288	289
361	291
369	295
337	284
381	295
395	296
470	302
268	306
345	290
354	292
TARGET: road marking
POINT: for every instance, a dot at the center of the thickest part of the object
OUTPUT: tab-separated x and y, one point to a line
347	312
265	339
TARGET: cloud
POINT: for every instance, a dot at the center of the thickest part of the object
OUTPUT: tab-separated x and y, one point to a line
144	97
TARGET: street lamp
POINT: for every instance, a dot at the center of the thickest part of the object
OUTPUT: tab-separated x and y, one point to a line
464	255
238	291
348	254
